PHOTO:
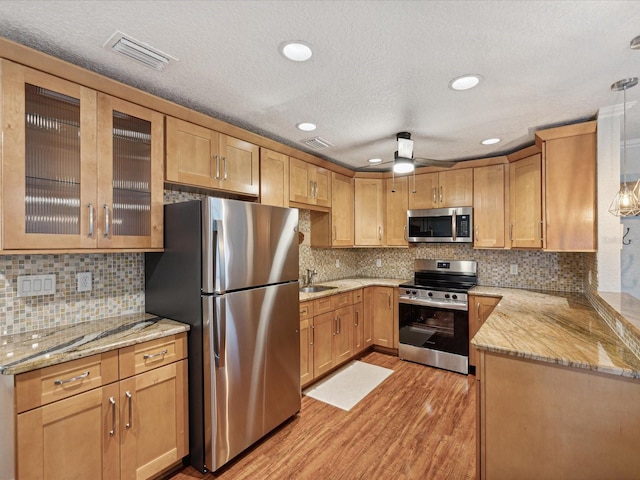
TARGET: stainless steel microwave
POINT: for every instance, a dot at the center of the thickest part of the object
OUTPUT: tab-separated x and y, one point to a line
440	225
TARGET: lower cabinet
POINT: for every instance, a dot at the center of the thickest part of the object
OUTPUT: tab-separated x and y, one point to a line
379	306
133	428
480	308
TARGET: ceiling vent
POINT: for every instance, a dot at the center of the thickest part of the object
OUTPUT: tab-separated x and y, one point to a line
138	51
317	143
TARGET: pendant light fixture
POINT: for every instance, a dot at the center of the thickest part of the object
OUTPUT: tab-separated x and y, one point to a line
403	157
626	202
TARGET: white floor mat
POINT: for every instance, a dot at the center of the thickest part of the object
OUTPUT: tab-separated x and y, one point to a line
346	387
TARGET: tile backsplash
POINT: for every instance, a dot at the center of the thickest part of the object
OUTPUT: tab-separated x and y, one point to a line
118	278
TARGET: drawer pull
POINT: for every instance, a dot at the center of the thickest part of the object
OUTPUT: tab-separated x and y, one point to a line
149	356
112	432
128	395
69	380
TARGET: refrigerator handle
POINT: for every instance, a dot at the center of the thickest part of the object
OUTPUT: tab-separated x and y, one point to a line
220	332
220	285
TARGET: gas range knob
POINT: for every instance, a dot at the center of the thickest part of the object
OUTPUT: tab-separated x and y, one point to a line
414	293
430	294
407	292
455	297
446	295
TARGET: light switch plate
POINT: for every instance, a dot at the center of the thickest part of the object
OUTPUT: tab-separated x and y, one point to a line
33	285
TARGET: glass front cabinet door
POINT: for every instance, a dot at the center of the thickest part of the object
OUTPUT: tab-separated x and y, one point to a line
80	170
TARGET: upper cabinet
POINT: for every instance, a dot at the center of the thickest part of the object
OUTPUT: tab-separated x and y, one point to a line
525	207
335	228
448	188
201	157
369	212
396	204
489	199
569	166
309	185
80	170
274	178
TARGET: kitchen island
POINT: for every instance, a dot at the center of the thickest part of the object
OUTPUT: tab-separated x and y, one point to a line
558	390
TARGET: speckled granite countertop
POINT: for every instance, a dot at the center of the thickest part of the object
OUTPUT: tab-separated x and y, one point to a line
553	327
349	284
28	351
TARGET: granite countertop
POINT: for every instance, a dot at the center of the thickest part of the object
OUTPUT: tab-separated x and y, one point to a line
349	284
556	328
23	352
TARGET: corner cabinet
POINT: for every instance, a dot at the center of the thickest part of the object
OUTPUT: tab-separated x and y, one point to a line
335	229
80	170
76	420
480	307
199	157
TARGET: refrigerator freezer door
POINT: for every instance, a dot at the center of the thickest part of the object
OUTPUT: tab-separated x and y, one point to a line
247	245
257	383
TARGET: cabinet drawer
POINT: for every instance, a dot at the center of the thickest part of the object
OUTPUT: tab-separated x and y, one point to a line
357	296
153	354
50	384
322	305
342	300
306	310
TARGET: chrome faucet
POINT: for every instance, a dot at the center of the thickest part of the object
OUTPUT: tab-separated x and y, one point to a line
310	275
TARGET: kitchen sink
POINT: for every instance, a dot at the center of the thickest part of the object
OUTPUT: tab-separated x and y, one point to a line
315	289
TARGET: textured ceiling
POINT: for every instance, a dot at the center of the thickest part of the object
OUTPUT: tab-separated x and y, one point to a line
378	67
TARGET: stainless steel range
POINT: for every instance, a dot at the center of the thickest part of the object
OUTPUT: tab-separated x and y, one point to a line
434	314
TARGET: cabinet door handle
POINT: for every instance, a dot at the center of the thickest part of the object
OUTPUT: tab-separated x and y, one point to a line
441	194
478	309
389	298
130	398
149	356
217	159
224	167
357	319
313	334
335	232
90	234
406	239
477	229
511	232
106	220
112	432
434	191
69	380
315	190
335	326
339	325
379	232
540	231
310	189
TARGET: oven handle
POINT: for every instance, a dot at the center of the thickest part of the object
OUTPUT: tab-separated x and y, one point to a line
434	304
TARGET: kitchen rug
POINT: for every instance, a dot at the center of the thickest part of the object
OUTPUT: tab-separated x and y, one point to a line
346	387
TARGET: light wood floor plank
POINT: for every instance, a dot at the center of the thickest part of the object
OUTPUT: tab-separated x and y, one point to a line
418	424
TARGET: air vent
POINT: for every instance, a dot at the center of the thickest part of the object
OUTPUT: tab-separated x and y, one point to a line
317	143
138	51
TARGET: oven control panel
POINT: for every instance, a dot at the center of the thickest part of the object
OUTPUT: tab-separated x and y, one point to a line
436	297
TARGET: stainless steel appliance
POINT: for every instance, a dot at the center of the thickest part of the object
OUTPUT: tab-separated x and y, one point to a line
442	225
230	270
434	314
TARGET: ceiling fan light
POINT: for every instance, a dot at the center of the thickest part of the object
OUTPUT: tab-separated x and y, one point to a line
402	164
375	160
405	148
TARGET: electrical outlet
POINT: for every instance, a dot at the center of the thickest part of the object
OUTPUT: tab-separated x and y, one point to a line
337	263
84	281
514	269
378	262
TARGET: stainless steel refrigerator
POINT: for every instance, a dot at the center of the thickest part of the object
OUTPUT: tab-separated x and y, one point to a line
230	270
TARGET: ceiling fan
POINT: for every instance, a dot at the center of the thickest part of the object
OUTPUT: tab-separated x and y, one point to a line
403	159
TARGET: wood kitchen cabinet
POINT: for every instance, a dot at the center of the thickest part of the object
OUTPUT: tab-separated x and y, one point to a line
480	307
274	178
81	170
525	206
306	343
336	228
82	419
449	188
359	323
200	157
369	212
309	185
379	305
490	185
396	194
569	171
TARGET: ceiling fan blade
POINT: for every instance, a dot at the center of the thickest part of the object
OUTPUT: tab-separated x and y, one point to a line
431	162
374	165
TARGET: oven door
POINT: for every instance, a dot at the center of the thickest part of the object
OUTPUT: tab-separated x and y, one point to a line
435	328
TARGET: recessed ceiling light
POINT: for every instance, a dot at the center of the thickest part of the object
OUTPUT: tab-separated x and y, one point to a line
465	82
306	126
375	160
296	51
490	141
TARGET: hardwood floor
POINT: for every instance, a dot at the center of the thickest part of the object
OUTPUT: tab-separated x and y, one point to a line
418	424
